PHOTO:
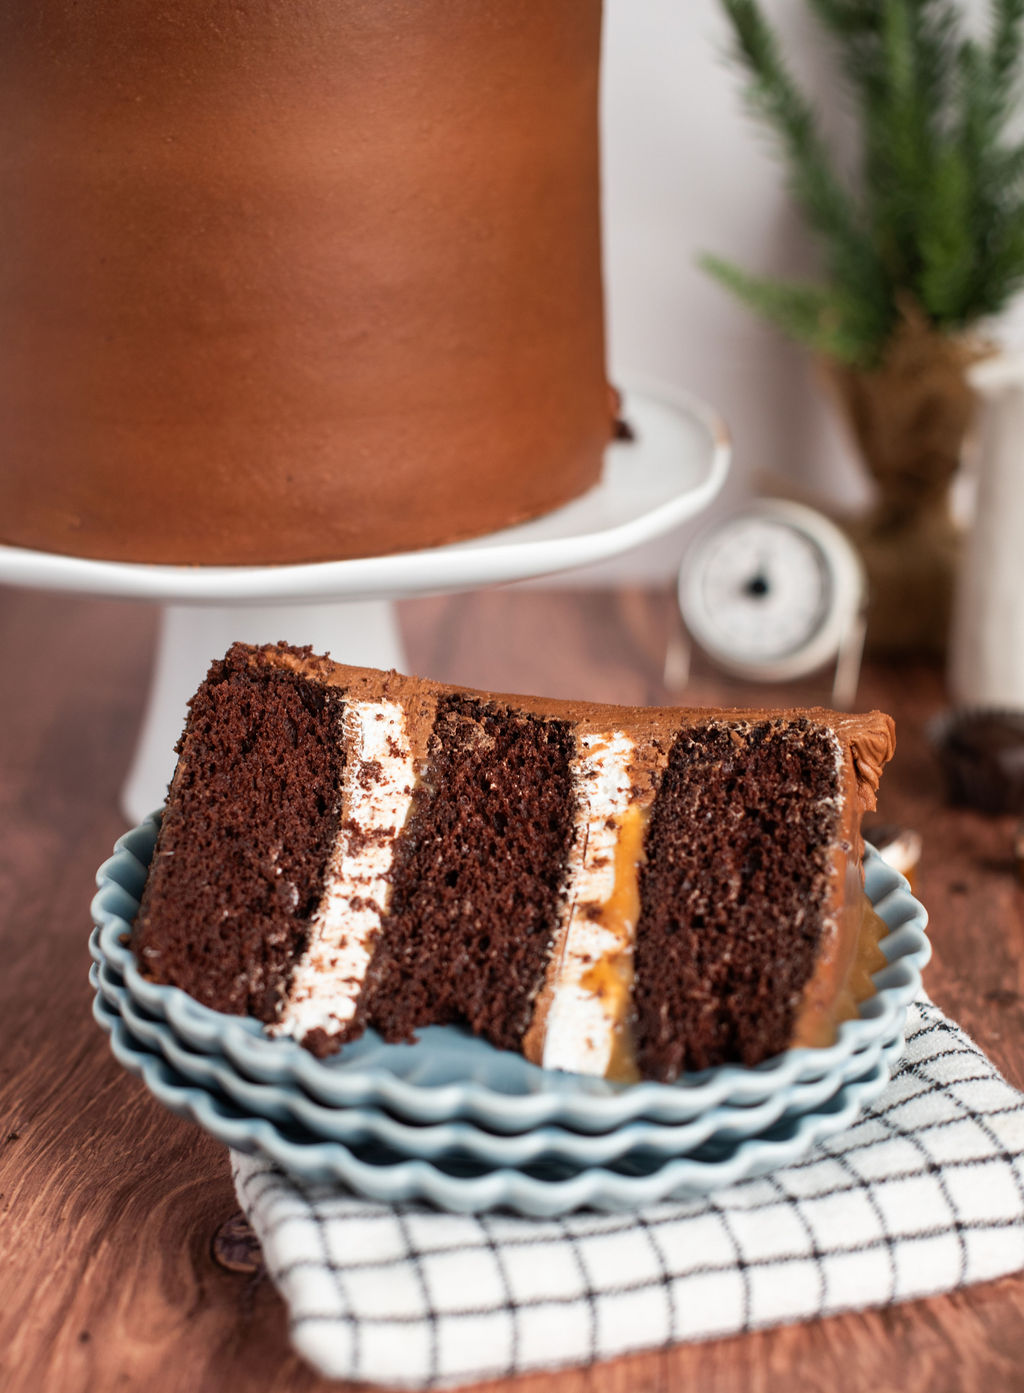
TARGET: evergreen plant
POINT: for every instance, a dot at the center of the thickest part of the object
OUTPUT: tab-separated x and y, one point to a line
932	227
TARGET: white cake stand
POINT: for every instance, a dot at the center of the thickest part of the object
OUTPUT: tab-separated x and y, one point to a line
669	473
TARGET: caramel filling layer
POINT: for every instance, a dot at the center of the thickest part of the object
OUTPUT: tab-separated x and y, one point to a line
611	977
589	992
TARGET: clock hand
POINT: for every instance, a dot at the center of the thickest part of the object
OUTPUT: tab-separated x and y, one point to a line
757	586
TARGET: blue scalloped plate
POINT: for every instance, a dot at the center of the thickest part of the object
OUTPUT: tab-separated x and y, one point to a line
449	1075
434	1141
540	1190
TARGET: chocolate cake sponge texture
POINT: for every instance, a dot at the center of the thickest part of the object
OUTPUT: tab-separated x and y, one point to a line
619	891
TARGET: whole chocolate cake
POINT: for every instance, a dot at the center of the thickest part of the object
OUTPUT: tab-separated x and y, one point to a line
288	282
617	891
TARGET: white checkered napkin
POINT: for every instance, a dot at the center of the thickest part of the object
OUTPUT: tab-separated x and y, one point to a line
923	1194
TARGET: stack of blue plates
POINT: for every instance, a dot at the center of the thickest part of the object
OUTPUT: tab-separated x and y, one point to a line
454	1121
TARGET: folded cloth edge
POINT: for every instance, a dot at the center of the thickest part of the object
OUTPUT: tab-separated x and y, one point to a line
921	1195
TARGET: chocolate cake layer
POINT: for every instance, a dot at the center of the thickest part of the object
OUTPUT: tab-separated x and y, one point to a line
251	817
735	889
476	885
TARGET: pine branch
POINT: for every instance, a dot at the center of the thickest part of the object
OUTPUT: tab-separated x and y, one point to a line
987	82
1005	49
940	218
1006	166
772	93
945	281
812	315
898	57
973	141
898	143
858	28
849	19
1000	273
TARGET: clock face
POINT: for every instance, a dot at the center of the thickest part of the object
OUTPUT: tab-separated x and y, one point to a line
772	592
765	587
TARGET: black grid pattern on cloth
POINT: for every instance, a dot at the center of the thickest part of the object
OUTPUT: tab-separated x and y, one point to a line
924	1193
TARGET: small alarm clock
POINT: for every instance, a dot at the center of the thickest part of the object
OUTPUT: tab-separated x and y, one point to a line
774	592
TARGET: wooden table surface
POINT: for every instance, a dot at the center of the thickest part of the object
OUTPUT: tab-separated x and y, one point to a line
110	1207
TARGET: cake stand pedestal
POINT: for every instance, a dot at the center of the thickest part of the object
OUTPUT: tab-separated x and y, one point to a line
670	472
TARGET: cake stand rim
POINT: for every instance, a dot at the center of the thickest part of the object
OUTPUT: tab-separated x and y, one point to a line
496	558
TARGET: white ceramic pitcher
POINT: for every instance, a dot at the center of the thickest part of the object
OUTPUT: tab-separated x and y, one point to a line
986	655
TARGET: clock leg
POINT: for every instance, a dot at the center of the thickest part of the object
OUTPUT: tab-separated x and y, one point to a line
848	661
678	651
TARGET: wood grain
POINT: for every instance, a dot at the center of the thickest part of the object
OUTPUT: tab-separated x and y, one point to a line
110	1208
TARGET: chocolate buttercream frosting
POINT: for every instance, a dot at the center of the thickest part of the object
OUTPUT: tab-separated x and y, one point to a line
294	282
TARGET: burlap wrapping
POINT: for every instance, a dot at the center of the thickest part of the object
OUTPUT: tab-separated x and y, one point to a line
909	418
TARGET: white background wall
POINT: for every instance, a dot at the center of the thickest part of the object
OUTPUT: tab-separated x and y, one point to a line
686	169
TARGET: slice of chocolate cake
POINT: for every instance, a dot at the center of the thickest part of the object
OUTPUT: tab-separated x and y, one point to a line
617	891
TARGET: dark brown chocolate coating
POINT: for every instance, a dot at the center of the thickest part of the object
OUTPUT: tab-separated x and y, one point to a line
290	282
982	753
